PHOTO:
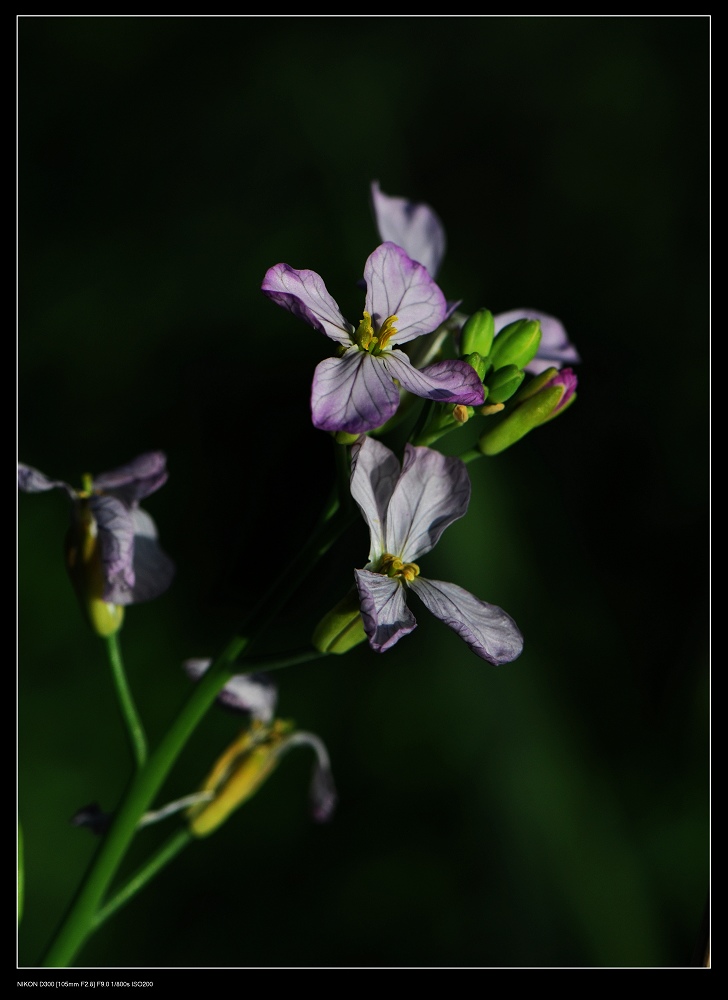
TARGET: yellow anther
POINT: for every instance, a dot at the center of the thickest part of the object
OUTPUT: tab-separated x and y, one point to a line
395	568
490	408
365	332
460	413
387	330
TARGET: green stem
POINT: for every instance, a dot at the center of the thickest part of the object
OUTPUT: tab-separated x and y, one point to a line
84	910
470	455
277	662
134	728
82	914
164	855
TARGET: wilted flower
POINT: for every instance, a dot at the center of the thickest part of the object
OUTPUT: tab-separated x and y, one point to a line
407	511
417	229
255	694
356	391
112	552
246	764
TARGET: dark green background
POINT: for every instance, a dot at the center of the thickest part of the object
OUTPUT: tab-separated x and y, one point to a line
551	812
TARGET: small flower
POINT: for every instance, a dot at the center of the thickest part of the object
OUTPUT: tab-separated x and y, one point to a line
358	391
247	763
254	694
112	552
417	229
407	511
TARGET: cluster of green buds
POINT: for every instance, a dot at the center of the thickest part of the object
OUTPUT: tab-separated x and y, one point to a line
514	404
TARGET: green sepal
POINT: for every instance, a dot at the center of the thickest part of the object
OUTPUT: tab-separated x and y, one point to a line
342	628
516	344
519	422
478	332
503	383
342	437
478	362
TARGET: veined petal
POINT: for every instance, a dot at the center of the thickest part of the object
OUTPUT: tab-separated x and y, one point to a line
384	609
555	349
445	382
304	294
137	479
487	629
374	472
398	286
411	225
115	527
432	492
153	569
31	480
353	393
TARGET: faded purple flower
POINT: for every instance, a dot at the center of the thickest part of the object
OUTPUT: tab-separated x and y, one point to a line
358	391
417	229
255	694
407	511
110	533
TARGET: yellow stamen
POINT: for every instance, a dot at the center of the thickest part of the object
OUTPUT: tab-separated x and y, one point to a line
365	332
394	567
387	330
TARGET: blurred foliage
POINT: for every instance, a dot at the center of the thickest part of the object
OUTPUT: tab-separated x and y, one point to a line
554	812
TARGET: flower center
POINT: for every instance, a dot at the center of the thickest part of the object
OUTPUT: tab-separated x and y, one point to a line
393	567
371	342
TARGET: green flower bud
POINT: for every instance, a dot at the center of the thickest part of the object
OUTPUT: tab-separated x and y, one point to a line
535	384
478	362
534	411
516	344
503	383
342	628
477	334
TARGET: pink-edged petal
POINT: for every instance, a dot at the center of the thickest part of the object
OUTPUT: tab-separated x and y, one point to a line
399	286
137	479
384	609
353	393
487	629
555	348
411	225
304	294
445	382
374	472
153	569
31	480
432	492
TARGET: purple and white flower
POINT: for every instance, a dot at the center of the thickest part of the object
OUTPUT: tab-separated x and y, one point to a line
418	230
358	391
117	540
407	509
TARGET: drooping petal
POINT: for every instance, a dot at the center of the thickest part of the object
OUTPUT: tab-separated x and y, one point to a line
137	479
374	472
384	609
411	225
555	348
354	393
322	795
305	295
255	694
398	286
31	480
432	492
487	629
445	382
115	527
153	569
